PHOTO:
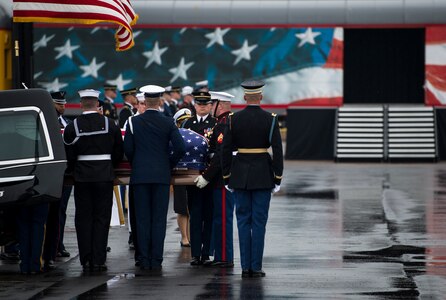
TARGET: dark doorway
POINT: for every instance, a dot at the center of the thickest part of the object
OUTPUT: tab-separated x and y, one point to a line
384	65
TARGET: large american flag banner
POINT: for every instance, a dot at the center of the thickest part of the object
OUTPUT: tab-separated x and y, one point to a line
435	85
81	12
301	65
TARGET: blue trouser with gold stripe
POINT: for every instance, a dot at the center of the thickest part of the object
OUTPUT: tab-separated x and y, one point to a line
252	214
222	232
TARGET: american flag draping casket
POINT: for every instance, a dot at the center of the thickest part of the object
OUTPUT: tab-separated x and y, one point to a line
187	169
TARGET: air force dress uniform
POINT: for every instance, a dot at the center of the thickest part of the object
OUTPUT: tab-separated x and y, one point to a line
94	147
146	145
252	174
223	202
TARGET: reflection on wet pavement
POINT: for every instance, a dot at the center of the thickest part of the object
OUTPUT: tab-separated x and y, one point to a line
335	231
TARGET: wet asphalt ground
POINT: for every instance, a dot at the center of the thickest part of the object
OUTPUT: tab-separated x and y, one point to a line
335	231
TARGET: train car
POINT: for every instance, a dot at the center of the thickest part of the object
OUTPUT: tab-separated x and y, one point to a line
315	56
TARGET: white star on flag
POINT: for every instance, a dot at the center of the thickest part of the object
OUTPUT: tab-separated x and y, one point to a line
244	52
194	160
181	70
36	75
92	69
307	37
43	42
189	141
119	82
136	33
216	37
187	153
195	148
154	55
54	86
66	49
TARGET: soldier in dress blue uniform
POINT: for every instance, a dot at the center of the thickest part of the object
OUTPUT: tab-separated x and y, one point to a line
55	223
94	148
129	108
200	200
252	174
146	145
223	211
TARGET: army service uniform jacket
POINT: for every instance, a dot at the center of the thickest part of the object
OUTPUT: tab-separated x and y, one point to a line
204	128
125	113
94	147
251	132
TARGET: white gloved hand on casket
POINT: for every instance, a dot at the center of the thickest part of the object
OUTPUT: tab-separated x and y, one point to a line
201	182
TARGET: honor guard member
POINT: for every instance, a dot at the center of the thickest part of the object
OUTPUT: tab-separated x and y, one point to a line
94	148
202	86
146	145
200	200
173	103
223	210
252	174
110	110
130	105
179	191
55	223
188	99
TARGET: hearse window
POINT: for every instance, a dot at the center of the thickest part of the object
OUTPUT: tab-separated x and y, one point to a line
23	137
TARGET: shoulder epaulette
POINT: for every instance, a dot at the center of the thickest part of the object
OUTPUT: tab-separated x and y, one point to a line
229	118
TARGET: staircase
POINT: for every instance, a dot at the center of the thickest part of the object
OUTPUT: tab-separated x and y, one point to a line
360	132
385	132
411	132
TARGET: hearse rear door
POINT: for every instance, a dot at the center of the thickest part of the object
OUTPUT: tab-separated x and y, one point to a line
32	154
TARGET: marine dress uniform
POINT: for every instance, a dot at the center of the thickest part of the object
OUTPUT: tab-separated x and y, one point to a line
146	145
223	202
200	200
252	174
94	147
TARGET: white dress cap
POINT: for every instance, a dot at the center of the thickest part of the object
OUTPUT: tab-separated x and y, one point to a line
168	88
89	93
140	97
182	112
222	96
201	83
187	90
152	91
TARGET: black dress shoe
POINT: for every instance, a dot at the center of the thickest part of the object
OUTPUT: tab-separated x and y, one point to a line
63	253
100	268
195	261
87	267
259	273
246	273
49	265
205	260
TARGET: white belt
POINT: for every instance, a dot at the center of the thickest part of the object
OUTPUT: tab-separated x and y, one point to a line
234	152
95	157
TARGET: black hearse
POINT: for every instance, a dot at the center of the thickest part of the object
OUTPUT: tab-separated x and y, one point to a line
32	155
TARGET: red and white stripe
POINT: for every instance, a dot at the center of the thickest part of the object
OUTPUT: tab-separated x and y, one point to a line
435	85
81	12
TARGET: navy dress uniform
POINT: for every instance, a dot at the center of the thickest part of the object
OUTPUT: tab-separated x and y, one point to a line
94	148
146	145
253	174
200	200
223	201
127	109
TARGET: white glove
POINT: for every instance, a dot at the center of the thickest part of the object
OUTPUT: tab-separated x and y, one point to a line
201	182
275	189
227	187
